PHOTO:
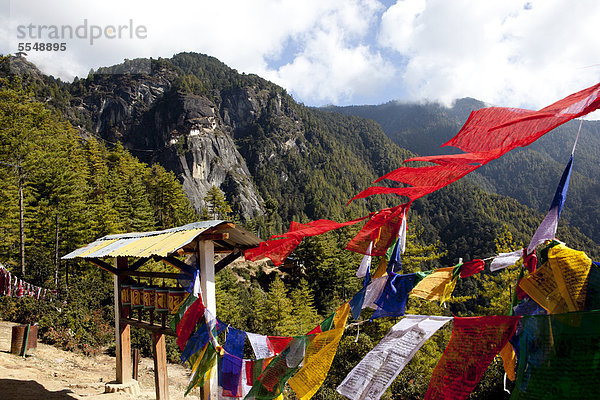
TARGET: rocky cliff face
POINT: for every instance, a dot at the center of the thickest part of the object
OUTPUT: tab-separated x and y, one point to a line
188	134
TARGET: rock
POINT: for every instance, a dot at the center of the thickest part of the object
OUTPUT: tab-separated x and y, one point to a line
132	387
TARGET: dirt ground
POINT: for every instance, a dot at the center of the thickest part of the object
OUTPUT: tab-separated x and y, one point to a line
50	373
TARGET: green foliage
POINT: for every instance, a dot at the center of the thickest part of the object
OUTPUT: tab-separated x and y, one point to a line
217	205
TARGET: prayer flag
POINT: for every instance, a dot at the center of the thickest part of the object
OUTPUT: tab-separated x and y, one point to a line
232	360
365	265
474	343
376	372
548	227
319	356
432	286
471	268
278	343
559	357
260	345
392	301
188	322
504	260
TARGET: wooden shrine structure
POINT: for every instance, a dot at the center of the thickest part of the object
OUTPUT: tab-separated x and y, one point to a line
129	251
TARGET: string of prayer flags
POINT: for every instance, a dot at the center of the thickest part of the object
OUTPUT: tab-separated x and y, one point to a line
319	356
433	285
559	357
232	360
474	343
392	302
278	247
504	260
260	345
378	369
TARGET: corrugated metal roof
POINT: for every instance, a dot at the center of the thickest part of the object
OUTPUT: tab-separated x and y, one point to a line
161	243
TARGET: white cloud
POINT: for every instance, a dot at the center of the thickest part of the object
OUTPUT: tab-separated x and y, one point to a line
499	51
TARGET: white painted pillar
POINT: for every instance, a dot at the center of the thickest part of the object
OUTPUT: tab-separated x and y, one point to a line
206	260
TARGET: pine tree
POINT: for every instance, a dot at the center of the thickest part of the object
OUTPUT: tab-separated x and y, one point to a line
217	205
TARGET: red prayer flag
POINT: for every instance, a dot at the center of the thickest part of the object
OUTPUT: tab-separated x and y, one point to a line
188	322
507	128
278	343
474	343
381	229
471	268
278	247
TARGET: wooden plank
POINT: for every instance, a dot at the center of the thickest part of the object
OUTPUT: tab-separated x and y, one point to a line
122	331
161	380
214	236
223	226
150	274
227	260
139	263
149	327
105	266
178	264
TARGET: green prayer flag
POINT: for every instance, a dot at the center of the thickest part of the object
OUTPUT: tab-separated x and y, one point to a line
559	357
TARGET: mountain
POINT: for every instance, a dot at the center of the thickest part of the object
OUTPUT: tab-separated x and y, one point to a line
529	175
278	160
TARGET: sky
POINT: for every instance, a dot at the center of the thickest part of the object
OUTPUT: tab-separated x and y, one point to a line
509	53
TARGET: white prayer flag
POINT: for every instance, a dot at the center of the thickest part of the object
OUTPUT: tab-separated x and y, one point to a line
372	376
504	260
374	290
260	345
365	264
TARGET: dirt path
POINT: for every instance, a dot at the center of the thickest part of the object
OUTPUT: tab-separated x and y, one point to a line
50	373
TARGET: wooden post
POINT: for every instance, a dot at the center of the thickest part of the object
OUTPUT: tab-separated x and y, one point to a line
206	258
122	331
161	382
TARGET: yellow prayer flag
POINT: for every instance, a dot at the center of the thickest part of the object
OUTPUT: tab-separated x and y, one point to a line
542	288
509	360
433	285
341	315
448	289
381	269
571	269
319	356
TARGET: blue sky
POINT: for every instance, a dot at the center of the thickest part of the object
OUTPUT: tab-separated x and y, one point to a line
504	52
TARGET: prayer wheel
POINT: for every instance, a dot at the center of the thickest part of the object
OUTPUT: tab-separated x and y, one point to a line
148	297
137	301
176	297
125	295
161	301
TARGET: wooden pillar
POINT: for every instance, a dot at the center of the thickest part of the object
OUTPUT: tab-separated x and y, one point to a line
161	382
122	331
206	258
